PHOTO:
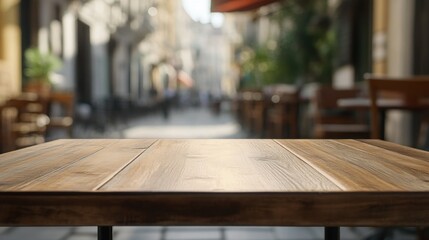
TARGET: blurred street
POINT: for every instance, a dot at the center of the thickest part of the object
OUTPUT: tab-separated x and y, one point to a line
182	123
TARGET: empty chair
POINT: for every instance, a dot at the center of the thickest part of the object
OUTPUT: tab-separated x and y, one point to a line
239	106
282	117
258	114
410	93
23	121
331	121
251	103
8	116
61	112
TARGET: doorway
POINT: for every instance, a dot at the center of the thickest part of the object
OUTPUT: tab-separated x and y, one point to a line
421	38
83	63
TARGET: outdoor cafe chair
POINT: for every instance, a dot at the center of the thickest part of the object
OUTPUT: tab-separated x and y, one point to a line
331	121
23	122
61	112
411	93
282	117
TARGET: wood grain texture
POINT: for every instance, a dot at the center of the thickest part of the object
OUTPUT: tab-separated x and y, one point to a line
215	182
87	174
38	162
129	143
412	174
13	156
342	167
218	165
216	209
69	165
399	149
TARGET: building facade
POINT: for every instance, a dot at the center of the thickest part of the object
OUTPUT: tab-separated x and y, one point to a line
10	49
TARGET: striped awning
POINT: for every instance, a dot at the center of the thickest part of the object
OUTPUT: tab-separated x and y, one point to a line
237	5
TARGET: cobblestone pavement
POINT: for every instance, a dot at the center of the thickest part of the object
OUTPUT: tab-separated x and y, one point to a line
186	123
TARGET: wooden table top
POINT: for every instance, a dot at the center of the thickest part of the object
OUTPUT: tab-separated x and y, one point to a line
382	103
215	182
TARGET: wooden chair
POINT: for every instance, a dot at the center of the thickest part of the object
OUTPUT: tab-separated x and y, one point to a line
258	114
61	112
282	117
251	100
413	93
240	106
8	116
330	121
23	122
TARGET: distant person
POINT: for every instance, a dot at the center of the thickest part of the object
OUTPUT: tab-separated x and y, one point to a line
168	81
166	103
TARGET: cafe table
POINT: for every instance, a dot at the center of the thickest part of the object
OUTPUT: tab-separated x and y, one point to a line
228	182
383	104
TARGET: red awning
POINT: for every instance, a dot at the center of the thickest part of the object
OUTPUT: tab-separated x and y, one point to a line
237	5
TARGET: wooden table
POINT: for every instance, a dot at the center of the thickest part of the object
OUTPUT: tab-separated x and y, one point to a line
364	104
215	182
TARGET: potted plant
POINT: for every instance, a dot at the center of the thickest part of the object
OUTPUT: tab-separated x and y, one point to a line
39	67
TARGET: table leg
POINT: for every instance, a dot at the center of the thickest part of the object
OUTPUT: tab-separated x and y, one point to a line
332	233
105	233
382	124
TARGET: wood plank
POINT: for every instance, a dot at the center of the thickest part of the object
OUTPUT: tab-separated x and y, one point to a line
342	166
217	209
408	170
27	169
57	145
32	151
94	142
219	166
92	171
404	150
87	174
129	143
406	174
135	143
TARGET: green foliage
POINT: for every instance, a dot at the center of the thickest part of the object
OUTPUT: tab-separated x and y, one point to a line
40	65
259	67
304	49
306	45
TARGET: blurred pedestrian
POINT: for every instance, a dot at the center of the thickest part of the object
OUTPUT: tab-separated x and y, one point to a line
168	74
